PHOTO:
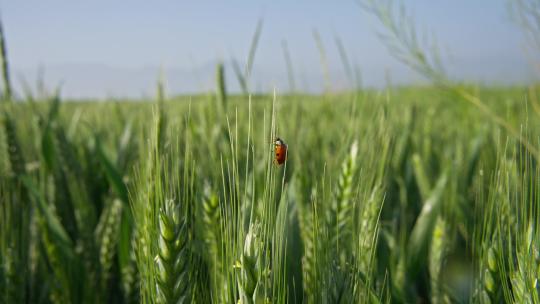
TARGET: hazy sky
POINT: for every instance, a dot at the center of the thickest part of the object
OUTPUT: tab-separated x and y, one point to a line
103	48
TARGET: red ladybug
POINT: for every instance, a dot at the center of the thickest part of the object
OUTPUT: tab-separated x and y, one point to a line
280	150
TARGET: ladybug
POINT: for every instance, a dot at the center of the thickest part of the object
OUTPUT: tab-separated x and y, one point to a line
280	150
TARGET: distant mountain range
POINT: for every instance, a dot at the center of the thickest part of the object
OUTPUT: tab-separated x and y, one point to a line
82	81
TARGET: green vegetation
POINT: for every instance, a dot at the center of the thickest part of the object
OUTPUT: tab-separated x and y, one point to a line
402	195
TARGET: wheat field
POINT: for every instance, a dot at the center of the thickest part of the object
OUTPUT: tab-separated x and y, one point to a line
417	194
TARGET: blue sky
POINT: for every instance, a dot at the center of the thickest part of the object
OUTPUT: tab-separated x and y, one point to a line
116	48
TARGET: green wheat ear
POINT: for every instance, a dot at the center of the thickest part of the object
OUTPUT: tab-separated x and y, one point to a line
173	257
437	254
309	267
368	224
221	86
309	233
249	281
339	215
130	274
211	213
211	218
5	65
108	232
15	155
